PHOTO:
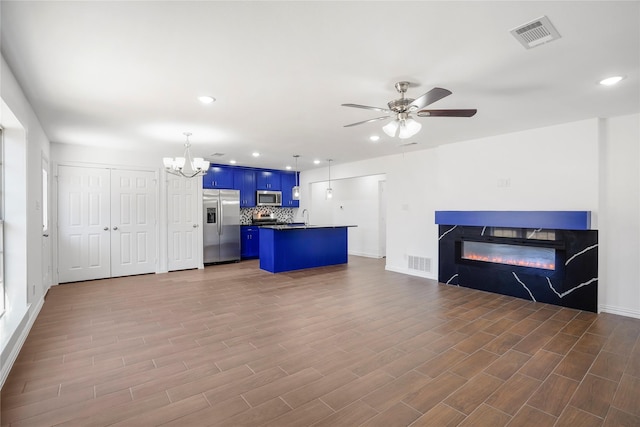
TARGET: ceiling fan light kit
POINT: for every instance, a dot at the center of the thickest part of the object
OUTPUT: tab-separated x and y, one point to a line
402	124
406	126
195	166
391	128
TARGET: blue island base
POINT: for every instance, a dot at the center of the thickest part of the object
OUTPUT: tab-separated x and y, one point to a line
287	249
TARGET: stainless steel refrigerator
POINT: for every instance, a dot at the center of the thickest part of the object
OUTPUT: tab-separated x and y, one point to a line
221	209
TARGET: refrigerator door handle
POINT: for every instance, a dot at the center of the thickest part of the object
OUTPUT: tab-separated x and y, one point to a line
220	216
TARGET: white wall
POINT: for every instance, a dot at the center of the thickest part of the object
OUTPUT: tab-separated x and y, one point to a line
346	180
354	202
25	146
69	154
586	165
552	168
412	196
619	230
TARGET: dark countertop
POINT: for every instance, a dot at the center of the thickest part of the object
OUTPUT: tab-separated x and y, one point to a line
297	226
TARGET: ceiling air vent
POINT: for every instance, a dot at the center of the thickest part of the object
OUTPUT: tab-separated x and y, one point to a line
536	32
217	155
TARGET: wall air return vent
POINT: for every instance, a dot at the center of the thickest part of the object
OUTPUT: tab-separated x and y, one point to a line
419	263
536	32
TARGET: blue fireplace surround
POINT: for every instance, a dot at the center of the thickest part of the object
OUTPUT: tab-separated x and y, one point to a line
574	281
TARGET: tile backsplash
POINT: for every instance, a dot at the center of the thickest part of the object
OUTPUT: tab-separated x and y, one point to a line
281	214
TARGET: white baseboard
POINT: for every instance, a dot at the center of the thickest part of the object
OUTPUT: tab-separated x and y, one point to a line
32	312
364	254
416	273
621	311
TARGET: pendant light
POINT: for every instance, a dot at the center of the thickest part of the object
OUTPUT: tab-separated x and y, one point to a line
295	191
329	192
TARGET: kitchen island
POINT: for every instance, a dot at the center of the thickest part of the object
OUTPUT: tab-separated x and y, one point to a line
295	247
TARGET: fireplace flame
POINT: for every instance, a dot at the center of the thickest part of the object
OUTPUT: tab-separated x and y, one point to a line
510	261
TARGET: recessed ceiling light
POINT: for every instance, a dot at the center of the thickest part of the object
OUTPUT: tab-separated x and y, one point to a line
316	162
610	81
206	99
288	167
255	154
374	138
233	162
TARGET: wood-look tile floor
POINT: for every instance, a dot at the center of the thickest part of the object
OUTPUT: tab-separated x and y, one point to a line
348	345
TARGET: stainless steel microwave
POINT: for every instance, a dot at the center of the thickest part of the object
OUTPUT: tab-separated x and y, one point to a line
268	198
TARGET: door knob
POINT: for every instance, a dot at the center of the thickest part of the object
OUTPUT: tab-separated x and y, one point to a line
106	229
195	225
115	228
45	235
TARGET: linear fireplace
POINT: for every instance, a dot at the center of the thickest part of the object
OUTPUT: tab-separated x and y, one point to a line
528	259
509	254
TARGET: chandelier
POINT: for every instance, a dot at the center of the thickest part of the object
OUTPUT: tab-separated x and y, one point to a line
186	165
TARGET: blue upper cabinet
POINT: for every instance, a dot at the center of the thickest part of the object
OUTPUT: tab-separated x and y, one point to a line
245	181
248	180
268	180
218	177
288	181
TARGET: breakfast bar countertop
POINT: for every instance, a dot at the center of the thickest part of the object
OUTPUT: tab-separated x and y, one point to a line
299	226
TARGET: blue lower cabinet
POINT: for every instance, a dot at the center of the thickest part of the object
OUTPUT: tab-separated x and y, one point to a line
299	248
250	242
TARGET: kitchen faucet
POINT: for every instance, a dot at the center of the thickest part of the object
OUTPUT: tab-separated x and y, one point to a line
306	218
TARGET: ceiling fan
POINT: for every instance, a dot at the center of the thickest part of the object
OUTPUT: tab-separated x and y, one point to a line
400	111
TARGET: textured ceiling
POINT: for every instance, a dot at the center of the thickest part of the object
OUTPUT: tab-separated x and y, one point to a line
127	74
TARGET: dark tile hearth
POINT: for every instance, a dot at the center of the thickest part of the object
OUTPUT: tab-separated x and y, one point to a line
558	267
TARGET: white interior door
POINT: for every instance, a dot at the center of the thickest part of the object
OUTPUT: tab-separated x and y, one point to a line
83	223
133	222
184	242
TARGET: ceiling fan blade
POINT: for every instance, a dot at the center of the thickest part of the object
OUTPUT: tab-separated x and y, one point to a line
367	121
447	113
382	110
435	94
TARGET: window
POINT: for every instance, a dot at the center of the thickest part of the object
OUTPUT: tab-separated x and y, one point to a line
2	295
